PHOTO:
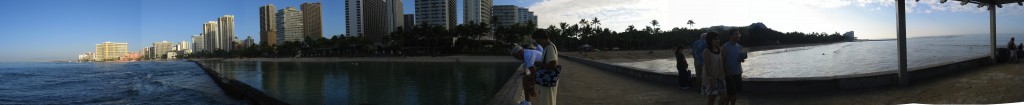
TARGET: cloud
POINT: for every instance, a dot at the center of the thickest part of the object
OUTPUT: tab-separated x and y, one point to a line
824	3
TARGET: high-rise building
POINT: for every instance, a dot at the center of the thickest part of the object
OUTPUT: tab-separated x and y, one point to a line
312	26
477	11
410	21
147	52
184	47
289	25
227	31
110	50
268	24
436	12
507	15
197	43
394	15
526	16
211	36
367	18
236	43
248	42
354	17
161	48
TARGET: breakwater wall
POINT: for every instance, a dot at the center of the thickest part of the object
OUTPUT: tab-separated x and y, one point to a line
239	90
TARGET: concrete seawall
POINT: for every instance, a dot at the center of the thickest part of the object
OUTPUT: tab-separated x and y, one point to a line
803	84
661	78
238	90
510	91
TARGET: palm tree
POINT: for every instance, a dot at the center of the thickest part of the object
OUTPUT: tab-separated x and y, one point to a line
584	22
690	22
654	23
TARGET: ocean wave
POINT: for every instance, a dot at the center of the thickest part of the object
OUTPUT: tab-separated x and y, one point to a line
109	83
17	75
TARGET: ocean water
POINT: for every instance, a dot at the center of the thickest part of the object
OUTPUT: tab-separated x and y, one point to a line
378	83
848	58
162	82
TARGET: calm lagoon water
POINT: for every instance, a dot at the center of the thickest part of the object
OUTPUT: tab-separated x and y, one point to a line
382	83
163	82
850	57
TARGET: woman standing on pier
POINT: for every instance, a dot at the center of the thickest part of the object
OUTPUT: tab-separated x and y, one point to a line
681	65
547	73
713	77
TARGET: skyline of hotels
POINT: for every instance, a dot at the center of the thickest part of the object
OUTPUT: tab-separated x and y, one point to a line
372	19
289	25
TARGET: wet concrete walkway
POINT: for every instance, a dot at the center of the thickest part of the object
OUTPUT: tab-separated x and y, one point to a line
1000	83
584	85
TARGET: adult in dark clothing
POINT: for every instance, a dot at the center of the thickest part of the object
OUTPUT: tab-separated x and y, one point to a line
733	55
681	65
1013	51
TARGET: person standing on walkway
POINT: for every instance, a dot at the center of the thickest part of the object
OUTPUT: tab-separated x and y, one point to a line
1012	50
733	55
1020	48
549	70
684	74
698	51
530	59
713	78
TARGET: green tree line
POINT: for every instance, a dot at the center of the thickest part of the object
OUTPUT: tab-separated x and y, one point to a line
432	40
652	36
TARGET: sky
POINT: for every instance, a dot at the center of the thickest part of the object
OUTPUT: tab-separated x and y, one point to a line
870	19
49	30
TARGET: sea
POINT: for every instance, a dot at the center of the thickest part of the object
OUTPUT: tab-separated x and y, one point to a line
371	83
179	82
850	58
152	82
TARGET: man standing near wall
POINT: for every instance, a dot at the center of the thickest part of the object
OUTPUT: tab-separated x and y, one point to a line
733	55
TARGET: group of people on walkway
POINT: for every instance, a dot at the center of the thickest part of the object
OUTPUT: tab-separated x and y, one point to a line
540	81
718	69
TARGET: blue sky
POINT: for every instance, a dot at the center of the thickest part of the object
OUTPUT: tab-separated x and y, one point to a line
46	30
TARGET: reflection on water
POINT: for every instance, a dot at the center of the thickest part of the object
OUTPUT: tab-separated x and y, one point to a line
848	58
385	83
